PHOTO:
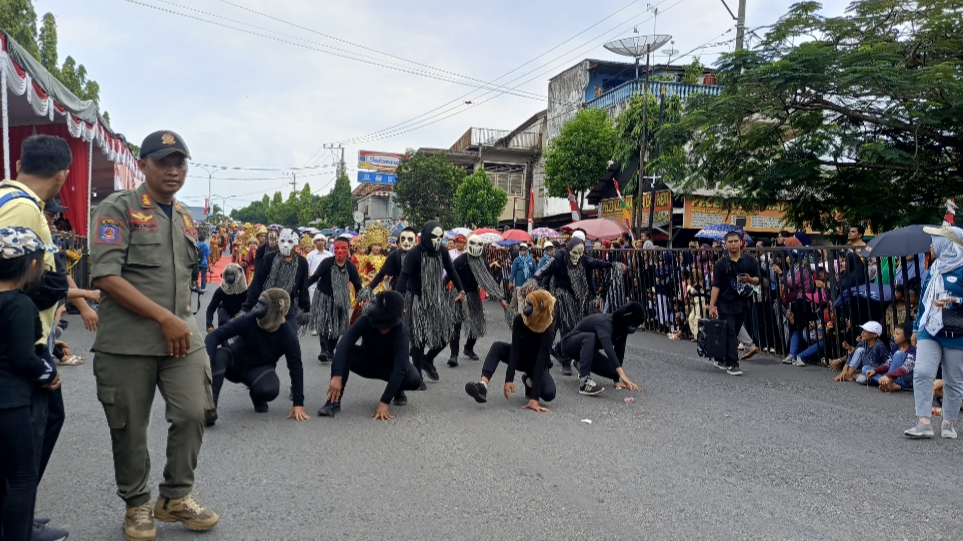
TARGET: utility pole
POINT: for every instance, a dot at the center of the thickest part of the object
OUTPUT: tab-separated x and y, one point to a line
341	165
741	25
294	180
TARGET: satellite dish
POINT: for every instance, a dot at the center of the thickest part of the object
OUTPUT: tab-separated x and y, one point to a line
638	46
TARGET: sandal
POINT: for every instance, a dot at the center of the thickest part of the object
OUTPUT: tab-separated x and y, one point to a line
72	360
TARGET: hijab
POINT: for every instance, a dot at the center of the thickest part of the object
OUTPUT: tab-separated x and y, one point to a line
949	257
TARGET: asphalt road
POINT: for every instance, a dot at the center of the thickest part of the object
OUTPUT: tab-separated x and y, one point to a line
779	453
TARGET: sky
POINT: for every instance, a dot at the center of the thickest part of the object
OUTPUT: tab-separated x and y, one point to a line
263	85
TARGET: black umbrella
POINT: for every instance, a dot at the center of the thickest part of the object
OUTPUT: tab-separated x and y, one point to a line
909	240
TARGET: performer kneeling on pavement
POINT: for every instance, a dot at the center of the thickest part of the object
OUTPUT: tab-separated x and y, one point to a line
284	269
383	354
228	298
598	342
533	331
427	314
331	307
472	268
261	337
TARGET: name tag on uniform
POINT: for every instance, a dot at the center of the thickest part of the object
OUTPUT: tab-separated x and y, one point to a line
951	279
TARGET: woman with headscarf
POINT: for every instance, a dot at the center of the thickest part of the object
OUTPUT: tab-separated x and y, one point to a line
935	339
228	298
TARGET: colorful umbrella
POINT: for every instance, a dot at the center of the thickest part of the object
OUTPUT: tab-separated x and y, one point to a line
460	231
489	238
484	230
598	228
517	234
717	232
545	232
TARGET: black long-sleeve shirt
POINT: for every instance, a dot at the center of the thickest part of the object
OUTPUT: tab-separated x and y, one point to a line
606	340
464	273
323	276
299	297
20	367
257	347
231	303
390	347
410	279
557	268
530	351
392	268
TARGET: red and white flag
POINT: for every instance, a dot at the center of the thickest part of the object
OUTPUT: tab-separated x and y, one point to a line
531	209
573	205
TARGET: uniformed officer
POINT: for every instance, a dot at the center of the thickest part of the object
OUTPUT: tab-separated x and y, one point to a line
143	253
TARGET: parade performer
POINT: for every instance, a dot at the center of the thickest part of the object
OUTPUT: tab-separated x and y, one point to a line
472	269
427	314
395	260
331	306
533	332
569	277
315	257
598	342
239	250
261	337
248	259
284	269
383	355
228	298
269	246
306	245
370	246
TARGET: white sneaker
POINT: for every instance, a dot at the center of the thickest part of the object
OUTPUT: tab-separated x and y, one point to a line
788	359
798	362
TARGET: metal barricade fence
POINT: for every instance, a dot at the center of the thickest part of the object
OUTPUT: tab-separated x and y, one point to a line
810	301
78	257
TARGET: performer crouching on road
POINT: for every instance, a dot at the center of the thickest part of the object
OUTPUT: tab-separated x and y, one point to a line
251	359
598	342
383	354
331	307
533	331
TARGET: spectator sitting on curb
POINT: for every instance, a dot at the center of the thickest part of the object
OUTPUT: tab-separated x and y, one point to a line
897	374
870	353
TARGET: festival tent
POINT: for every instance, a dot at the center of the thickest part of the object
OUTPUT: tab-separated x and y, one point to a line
34	102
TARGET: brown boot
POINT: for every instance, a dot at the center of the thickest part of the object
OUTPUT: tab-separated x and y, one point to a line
187	510
139	523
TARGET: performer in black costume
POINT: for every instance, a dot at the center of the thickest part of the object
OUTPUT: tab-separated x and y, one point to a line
260	338
569	278
533	332
383	354
427	314
228	298
287	270
598	342
331	308
473	271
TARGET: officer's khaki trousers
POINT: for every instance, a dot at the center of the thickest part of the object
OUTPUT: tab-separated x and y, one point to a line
125	387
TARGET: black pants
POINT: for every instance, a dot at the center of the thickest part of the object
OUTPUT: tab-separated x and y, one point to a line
18	474
47	409
766	330
261	380
328	345
583	346
456	337
372	364
734	322
420	357
223	316
499	353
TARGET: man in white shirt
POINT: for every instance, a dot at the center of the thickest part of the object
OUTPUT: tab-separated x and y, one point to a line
460	243
315	257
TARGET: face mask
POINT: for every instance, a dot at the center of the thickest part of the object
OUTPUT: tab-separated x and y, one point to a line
436	237
631	328
272	239
261	308
407	241
576	254
287	240
475	246
230	278
341	251
529	309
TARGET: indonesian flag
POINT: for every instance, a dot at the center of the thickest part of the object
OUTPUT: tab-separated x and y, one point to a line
573	205
207	207
531	209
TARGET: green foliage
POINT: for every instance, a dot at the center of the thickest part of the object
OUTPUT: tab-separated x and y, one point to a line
478	202
48	44
426	188
337	204
847	119
579	156
254	213
19	19
693	71
628	135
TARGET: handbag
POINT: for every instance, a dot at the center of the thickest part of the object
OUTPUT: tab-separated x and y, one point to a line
952	322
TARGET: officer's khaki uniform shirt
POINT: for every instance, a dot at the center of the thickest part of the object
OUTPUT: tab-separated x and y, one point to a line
133	238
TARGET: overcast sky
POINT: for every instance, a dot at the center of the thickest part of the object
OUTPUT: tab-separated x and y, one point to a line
259	100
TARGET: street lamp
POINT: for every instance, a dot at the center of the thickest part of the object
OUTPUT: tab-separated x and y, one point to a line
210	174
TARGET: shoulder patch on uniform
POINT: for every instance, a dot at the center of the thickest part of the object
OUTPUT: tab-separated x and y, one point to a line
108	221
108	233
145	200
142	221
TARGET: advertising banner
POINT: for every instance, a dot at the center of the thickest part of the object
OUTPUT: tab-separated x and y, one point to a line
703	211
612	208
369	177
384	162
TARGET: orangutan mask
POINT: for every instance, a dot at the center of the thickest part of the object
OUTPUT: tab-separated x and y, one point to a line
287	240
407	241
475	246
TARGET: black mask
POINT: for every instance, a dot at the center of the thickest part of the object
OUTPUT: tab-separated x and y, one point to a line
261	308
229	279
631	329
529	309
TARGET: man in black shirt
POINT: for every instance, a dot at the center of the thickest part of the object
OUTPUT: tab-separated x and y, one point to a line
598	342
261	338
383	354
732	282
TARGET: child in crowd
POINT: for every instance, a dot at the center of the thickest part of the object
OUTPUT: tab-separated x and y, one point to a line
898	373
870	353
21	266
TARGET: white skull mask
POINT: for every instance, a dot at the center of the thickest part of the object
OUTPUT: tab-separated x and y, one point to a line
475	246
576	253
287	240
436	237
407	240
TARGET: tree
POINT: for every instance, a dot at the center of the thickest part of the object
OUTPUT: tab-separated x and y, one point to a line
478	202
48	44
691	72
338	206
426	187
628	136
19	19
846	119
579	156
